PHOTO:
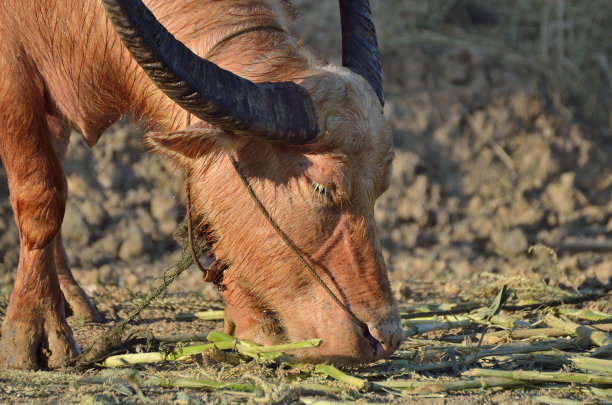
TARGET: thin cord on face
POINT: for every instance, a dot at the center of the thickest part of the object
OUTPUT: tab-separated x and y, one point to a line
208	275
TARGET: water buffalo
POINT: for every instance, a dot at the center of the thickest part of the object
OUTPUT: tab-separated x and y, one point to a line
309	138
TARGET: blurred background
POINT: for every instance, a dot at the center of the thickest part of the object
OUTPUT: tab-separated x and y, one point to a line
501	113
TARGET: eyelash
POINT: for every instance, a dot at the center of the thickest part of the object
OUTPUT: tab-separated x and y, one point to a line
320	189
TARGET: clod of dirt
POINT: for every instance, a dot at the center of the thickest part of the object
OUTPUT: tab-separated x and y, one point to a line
135	243
510	242
561	194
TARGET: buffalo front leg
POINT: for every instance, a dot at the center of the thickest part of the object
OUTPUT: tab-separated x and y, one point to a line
77	302
34	330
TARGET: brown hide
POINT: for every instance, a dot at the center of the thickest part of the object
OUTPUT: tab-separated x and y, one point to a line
64	66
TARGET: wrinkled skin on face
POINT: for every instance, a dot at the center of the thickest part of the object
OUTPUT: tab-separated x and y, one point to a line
322	196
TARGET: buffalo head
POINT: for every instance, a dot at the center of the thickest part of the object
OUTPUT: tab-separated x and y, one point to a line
316	150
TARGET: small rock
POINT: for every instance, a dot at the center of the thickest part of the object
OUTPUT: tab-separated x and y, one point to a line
561	194
525	105
114	204
461	231
106	274
77	186
462	269
163	206
405	166
136	244
603	272
442	217
145	222
405	235
130	280
510	242
110	177
451	288
567	264
10	260
108	245
93	213
74	227
167	227
475	204
9	238
412	206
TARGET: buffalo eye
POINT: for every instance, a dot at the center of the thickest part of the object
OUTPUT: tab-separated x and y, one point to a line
321	189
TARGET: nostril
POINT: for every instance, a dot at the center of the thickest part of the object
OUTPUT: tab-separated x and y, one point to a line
375	344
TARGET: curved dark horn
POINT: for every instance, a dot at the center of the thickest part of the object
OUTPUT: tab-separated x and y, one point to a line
359	45
275	112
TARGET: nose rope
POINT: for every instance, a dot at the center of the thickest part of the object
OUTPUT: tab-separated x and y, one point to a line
208	275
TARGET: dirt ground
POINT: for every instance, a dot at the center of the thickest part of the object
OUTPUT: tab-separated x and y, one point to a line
502	123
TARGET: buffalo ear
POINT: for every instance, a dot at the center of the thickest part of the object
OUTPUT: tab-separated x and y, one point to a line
190	143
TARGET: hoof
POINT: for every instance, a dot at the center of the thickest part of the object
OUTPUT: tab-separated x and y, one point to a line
78	305
43	343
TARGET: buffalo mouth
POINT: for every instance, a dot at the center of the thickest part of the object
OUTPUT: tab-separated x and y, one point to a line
273	328
344	342
267	328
